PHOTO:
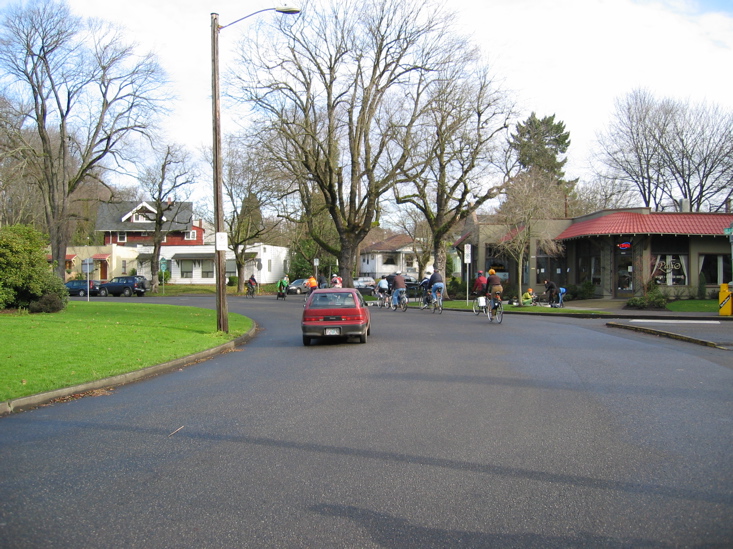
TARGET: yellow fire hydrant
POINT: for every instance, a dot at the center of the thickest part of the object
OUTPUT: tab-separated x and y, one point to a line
725	303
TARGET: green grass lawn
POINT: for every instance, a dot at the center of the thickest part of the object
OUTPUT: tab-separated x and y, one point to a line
98	339
694	306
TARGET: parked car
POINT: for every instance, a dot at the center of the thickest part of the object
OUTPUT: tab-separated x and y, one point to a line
335	312
298	286
83	287
412	283
123	285
364	281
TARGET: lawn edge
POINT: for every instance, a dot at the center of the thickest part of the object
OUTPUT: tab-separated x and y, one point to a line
33	401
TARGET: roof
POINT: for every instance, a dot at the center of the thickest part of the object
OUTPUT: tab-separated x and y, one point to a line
69	257
101	257
630	223
115	216
194	256
391	244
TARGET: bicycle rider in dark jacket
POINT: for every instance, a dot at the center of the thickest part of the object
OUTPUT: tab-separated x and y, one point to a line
398	287
436	283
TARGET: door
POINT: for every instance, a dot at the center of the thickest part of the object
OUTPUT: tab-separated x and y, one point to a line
623	273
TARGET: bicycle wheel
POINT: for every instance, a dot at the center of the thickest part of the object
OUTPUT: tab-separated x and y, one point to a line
499	313
392	304
380	302
403	303
476	307
440	305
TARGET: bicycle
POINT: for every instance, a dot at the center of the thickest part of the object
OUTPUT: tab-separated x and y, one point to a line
479	305
402	304
250	291
438	302
496	310
382	300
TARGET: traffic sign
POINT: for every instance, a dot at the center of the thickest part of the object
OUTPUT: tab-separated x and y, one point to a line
163	265
87	265
728	231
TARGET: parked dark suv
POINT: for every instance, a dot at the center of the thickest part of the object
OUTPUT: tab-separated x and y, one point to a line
124	285
81	288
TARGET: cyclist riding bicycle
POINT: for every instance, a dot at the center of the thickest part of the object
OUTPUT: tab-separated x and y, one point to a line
398	288
436	284
479	287
382	287
494	285
251	284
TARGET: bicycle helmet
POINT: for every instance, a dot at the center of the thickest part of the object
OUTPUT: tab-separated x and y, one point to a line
398	272
492	272
480	272
384	276
530	290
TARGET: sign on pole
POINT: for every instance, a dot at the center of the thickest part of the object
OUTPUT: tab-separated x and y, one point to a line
163	265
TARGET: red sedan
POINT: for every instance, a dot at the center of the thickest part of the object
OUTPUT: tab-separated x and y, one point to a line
336	312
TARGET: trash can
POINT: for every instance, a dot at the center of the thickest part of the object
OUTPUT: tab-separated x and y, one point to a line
725	303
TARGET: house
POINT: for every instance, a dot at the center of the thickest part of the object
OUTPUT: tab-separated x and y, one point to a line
189	252
396	253
617	251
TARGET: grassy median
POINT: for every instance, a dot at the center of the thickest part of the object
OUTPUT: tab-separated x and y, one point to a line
94	340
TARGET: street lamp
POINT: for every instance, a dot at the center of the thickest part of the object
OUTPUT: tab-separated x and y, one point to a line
221	240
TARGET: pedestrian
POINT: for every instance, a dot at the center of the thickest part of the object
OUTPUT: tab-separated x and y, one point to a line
550	291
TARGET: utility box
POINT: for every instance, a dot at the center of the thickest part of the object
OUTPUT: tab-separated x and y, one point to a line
725	303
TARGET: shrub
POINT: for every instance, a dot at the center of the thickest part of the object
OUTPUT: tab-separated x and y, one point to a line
164	276
701	289
233	281
654	299
49	303
25	275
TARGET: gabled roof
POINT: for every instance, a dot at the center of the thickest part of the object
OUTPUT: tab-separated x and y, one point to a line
630	223
391	244
116	216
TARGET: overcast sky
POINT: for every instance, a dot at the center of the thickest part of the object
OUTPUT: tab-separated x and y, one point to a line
571	58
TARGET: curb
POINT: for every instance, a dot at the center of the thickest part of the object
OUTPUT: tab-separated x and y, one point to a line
33	401
670	335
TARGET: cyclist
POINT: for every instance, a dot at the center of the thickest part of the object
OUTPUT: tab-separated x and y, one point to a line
479	287
336	281
252	283
282	287
436	283
398	288
312	284
425	288
383	287
494	285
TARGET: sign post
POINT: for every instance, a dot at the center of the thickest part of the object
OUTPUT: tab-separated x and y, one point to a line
316	261
164	268
729	232
467	261
87	266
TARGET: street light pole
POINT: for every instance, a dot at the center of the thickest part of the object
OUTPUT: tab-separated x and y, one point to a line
221	239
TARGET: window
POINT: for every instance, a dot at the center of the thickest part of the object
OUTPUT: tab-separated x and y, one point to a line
139	218
121	237
189	235
231	267
186	268
269	265
669	269
716	268
389	260
207	268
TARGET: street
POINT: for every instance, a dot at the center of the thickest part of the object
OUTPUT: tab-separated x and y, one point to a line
441	431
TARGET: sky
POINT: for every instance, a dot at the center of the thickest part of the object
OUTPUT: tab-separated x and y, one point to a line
570	58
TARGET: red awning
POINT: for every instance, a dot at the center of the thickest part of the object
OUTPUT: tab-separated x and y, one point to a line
101	257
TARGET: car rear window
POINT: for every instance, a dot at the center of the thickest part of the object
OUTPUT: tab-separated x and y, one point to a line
333	301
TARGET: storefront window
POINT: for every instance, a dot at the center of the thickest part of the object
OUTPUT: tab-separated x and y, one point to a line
670	269
589	263
716	268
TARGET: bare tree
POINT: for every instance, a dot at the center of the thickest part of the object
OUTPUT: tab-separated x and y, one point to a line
331	84
412	222
532	197
670	151
167	184
461	115
79	91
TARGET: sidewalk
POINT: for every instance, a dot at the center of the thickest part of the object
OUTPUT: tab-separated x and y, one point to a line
706	329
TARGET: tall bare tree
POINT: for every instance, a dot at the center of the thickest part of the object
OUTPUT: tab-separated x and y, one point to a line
461	114
167	185
79	92
332	84
670	151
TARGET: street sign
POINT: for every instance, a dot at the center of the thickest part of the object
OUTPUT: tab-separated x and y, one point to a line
467	254
163	265
87	265
728	231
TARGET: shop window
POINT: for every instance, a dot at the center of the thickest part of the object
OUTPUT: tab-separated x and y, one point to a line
670	269
716	268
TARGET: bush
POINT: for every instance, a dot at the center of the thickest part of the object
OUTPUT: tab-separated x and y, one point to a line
701	289
49	303
164	276
655	299
25	275
233	281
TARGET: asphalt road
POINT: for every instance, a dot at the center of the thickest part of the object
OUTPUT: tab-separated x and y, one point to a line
442	431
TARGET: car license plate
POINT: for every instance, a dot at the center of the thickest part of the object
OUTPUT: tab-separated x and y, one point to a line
332	331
